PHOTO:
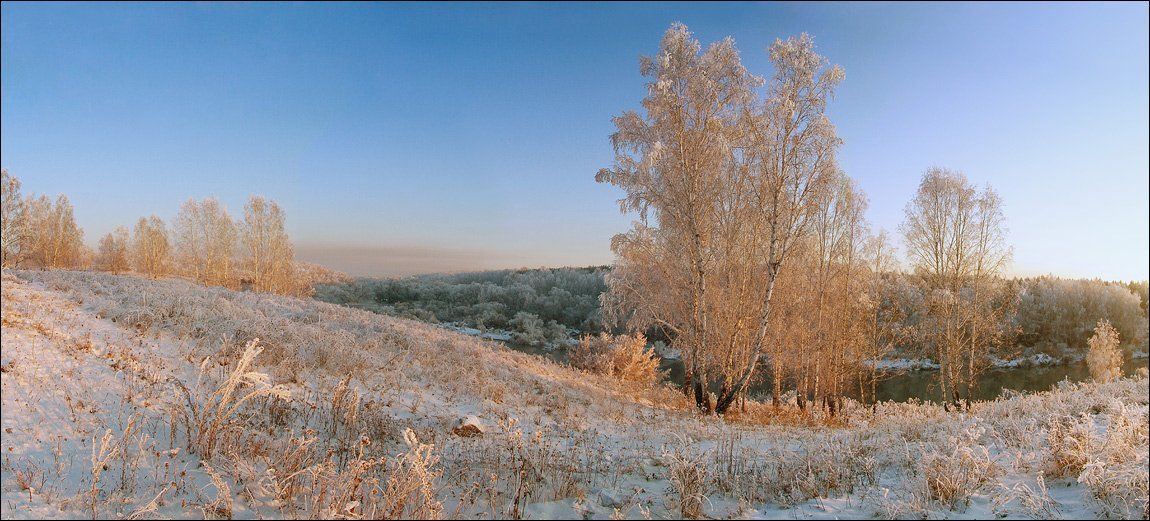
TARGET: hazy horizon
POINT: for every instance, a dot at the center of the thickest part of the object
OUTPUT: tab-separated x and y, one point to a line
406	139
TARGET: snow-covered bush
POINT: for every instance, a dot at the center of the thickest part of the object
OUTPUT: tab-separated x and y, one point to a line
625	357
1116	475
1120	491
528	329
1105	356
1034	501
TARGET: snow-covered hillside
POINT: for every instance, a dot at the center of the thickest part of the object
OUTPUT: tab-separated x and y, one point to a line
128	397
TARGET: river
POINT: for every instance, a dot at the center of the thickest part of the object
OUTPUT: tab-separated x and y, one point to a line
917	384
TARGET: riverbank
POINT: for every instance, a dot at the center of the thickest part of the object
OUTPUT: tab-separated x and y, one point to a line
903	379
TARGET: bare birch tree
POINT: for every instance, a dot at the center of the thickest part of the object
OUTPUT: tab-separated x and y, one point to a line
113	252
269	253
791	157
955	240
672	162
151	249
724	185
206	242
885	311
14	215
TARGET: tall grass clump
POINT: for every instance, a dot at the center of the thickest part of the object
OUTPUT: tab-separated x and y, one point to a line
1070	443
210	415
687	472
951	478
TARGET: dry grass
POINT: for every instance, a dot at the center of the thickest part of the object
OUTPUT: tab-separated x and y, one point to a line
1071	444
687	474
1034	502
211	414
366	429
952	478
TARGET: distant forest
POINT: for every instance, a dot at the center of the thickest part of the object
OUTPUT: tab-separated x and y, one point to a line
537	306
553	304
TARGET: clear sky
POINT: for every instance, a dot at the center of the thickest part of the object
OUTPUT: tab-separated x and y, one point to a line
408	138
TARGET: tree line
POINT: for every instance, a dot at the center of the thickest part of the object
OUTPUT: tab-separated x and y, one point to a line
1052	315
204	244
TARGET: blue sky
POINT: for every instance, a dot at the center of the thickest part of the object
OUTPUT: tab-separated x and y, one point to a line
406	138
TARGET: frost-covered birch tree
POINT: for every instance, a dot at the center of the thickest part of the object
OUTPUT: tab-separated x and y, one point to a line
54	240
1104	358
151	247
13	220
113	251
206	242
724	184
955	240
269	255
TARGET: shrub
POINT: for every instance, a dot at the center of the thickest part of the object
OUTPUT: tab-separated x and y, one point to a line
624	357
1104	357
528	329
1120	491
409	492
1116	473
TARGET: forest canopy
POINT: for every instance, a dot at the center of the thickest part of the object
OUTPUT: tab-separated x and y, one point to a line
537	305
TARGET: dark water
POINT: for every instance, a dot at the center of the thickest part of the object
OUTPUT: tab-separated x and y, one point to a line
923	384
918	384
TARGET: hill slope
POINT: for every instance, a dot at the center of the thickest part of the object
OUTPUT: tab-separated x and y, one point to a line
341	412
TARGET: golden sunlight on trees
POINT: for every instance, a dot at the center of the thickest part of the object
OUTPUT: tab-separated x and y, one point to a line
269	253
725	184
150	248
54	240
833	266
113	253
206	242
882	327
14	219
38	232
955	239
1104	357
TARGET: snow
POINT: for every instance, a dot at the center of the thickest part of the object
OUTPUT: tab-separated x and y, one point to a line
904	364
88	354
666	352
1035	360
70	379
926	364
490	334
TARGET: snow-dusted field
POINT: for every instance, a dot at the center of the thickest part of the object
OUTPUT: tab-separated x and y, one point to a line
125	397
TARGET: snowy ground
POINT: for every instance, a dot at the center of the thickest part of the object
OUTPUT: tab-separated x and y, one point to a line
360	416
72	381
